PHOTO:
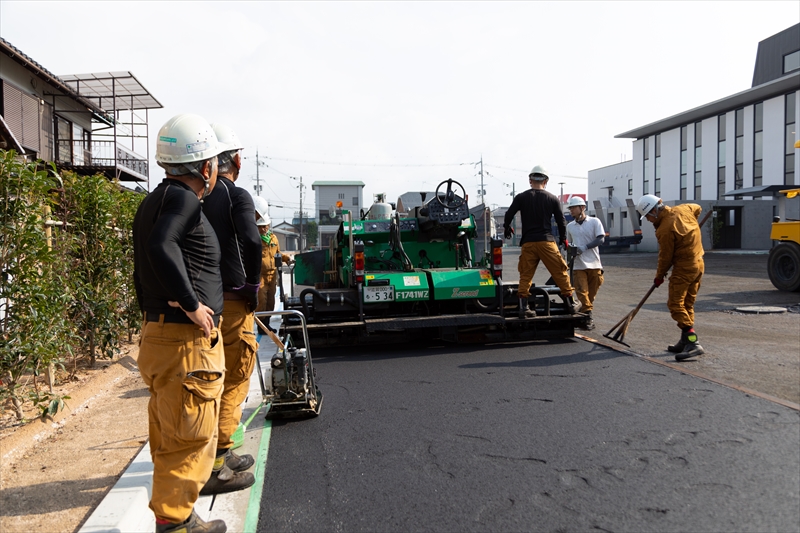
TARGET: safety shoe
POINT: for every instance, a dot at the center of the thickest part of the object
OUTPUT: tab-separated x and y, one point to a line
589	324
238	463
193	524
524	310
226	480
573	305
693	349
677	347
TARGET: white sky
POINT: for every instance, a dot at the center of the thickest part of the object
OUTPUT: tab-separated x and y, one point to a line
398	94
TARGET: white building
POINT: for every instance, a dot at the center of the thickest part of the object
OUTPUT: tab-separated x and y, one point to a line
330	196
742	144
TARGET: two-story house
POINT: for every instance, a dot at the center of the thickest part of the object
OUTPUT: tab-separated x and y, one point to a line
327	195
88	123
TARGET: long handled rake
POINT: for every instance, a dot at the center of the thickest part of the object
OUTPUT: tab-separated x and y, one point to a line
621	327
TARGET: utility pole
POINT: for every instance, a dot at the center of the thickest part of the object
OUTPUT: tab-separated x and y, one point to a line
482	191
513	194
257	186
561	198
301	210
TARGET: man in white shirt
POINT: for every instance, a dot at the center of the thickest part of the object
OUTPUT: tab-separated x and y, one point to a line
585	234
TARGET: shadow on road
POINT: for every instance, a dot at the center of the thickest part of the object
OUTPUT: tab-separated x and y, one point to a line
593	353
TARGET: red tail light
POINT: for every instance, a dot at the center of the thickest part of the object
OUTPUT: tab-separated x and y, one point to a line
497	257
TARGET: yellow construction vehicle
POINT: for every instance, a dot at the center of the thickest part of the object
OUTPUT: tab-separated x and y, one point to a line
784	257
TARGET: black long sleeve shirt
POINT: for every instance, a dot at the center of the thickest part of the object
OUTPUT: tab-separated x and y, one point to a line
231	212
176	252
536	206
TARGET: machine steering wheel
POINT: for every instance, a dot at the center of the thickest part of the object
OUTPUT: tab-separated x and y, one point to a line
450	199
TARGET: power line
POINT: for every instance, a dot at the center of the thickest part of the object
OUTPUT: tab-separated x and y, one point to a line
370	164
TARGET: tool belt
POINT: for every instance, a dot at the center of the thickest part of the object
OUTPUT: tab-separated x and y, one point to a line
227	295
181	318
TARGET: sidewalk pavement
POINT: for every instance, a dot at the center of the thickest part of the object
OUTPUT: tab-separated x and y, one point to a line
125	508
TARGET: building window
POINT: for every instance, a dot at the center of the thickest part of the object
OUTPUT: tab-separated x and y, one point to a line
721	122
355	201
657	181
684	160
758	144
791	62
646	181
63	140
341	196
790	136
738	169
630	187
698	159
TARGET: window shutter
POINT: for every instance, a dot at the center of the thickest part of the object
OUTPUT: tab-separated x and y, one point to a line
30	122
12	112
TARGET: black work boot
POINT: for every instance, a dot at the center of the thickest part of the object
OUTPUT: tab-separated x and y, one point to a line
238	463
226	480
692	348
524	310
681	344
589	325
573	305
193	524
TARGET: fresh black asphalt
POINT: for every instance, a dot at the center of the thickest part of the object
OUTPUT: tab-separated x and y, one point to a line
543	436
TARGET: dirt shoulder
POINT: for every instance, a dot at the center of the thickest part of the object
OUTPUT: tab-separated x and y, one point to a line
55	473
52	475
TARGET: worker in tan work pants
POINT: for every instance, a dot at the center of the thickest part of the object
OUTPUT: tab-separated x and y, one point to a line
184	405
680	247
537	207
269	249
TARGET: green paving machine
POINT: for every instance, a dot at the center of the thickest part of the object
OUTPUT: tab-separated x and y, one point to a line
392	277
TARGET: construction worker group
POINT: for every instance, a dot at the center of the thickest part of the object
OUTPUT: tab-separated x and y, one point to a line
201	271
680	248
205	262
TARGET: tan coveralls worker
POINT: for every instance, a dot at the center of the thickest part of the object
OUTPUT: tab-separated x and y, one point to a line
269	274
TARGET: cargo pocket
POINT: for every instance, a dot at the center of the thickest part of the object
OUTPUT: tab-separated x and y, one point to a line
201	394
248	347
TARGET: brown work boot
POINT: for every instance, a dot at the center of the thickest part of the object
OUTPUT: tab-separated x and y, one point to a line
524	310
226	480
573	305
238	463
193	524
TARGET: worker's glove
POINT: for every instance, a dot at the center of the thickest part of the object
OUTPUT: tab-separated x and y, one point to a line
658	281
509	232
565	244
250	293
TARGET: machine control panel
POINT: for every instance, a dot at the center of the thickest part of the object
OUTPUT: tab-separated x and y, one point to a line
382	226
448	216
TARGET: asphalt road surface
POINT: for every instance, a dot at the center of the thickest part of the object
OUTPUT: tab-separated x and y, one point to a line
543	436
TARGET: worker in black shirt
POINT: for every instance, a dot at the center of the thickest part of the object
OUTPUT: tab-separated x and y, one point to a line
179	289
230	210
536	207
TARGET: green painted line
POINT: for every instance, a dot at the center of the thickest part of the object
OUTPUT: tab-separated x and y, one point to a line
254	504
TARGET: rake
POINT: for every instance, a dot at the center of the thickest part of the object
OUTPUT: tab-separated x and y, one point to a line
621	327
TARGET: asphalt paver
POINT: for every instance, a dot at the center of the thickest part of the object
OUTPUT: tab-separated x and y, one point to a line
540	436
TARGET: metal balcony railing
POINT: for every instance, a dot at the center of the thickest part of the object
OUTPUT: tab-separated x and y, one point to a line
101	154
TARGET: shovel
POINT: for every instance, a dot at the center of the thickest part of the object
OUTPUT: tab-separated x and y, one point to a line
238	435
617	332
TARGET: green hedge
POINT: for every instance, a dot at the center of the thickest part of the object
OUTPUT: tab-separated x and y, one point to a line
66	273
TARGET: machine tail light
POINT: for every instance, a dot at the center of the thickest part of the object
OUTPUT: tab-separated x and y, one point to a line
637	232
358	262
497	258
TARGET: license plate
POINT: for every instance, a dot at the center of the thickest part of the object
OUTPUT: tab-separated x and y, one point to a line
379	294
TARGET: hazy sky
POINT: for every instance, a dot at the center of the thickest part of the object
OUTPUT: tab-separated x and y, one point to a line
403	95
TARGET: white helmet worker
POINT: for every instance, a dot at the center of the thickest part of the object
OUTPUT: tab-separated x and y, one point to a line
262	210
184	145
647	203
230	145
539	173
186	138
576	200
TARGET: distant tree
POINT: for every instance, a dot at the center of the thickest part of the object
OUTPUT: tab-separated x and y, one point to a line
312	233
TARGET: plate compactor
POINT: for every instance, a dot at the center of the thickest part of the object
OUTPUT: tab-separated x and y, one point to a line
288	385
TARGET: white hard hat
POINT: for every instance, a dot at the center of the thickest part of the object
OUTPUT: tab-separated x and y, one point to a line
227	137
646	204
576	200
262	210
539	169
186	138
